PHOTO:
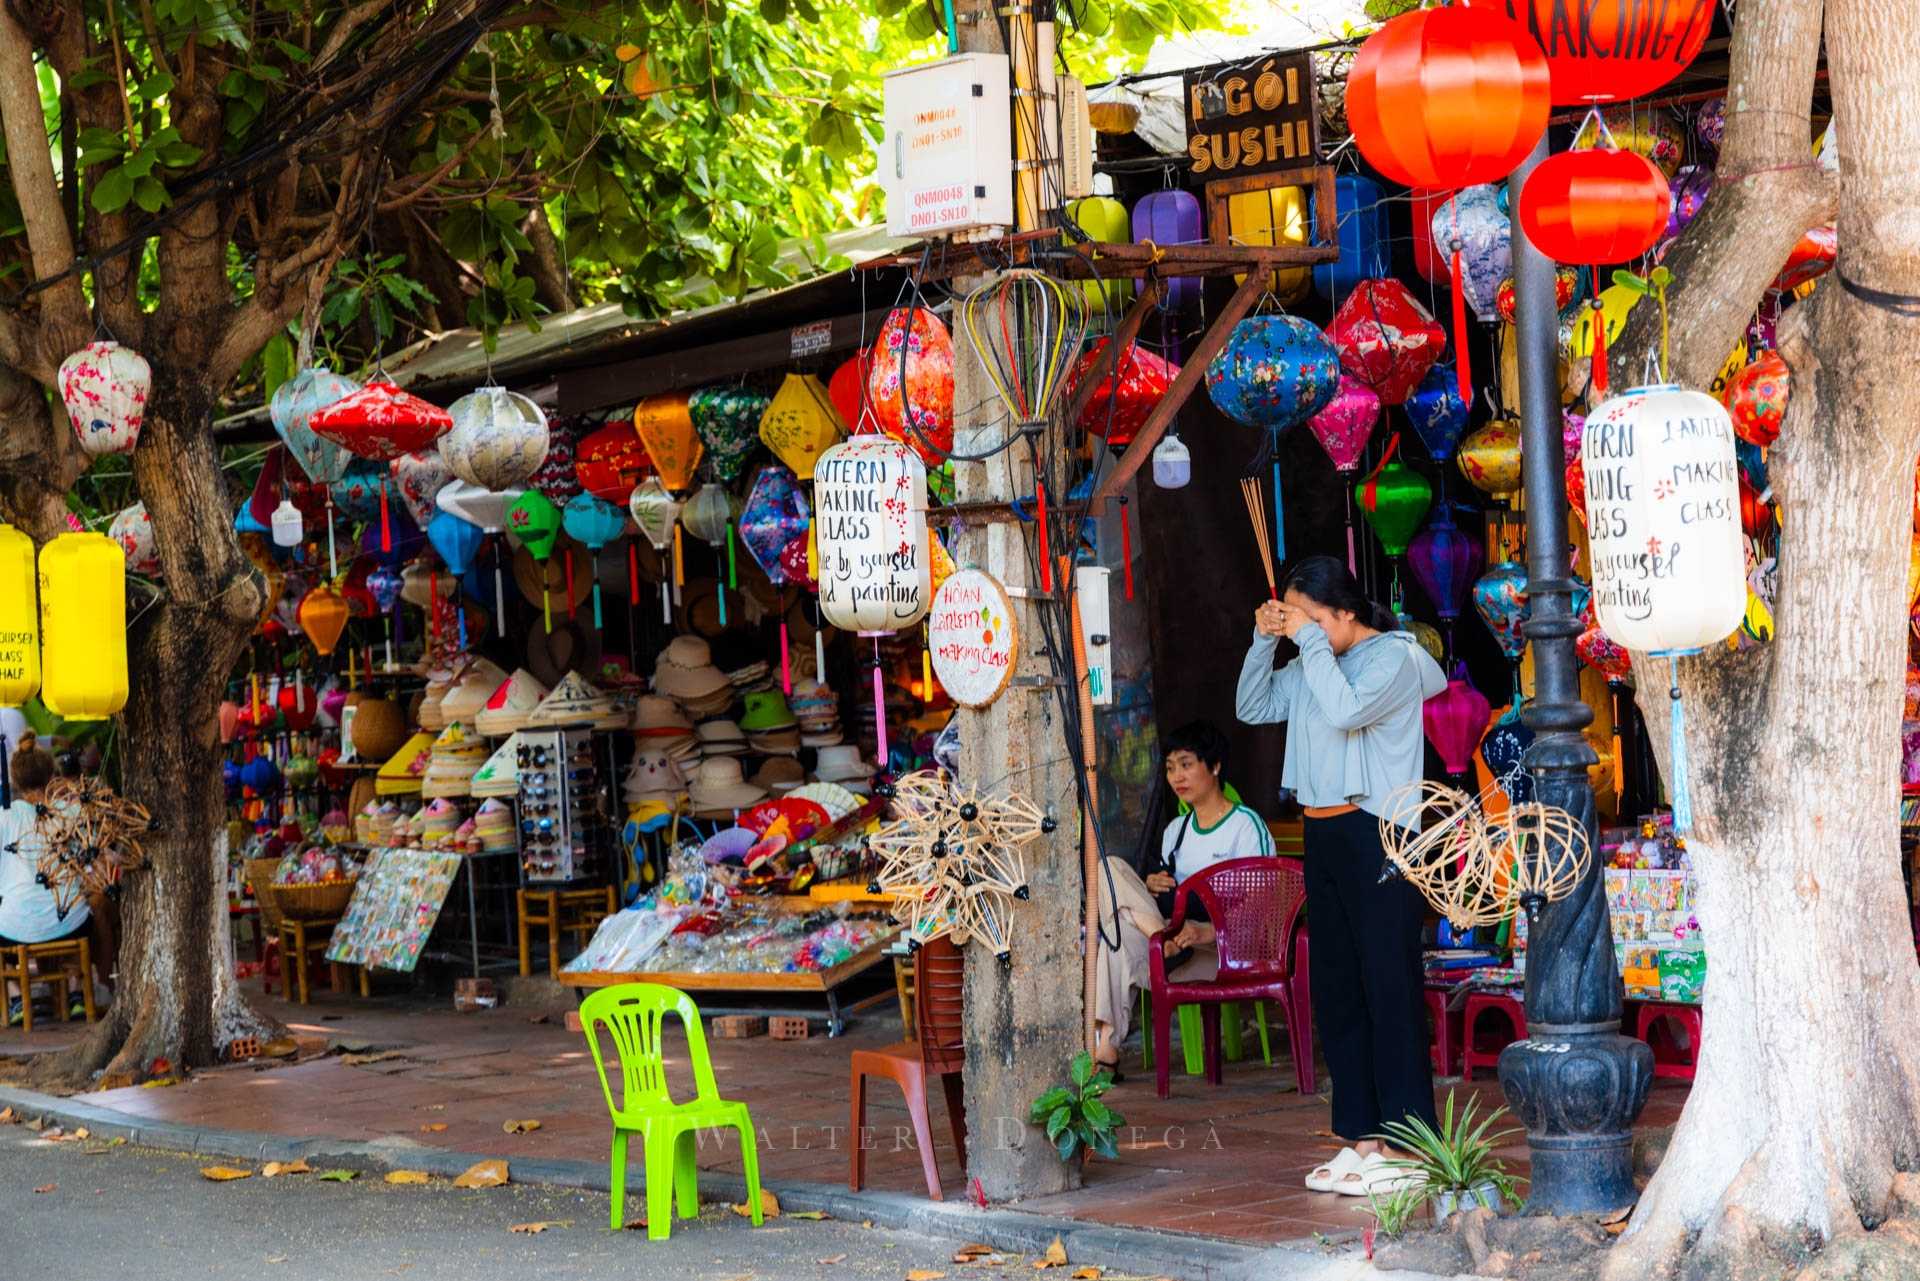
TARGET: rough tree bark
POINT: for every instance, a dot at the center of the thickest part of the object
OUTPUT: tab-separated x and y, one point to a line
1806	1105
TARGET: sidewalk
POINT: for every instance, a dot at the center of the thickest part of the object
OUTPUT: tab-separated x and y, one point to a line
1226	1161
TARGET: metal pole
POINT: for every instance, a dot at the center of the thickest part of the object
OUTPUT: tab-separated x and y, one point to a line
1575	1082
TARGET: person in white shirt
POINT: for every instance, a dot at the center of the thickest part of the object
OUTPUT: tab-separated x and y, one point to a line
1213	829
28	912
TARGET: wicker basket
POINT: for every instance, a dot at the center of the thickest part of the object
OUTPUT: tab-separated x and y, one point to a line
260	876
309	902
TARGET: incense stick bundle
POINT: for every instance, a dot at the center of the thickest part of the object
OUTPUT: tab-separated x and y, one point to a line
1257	515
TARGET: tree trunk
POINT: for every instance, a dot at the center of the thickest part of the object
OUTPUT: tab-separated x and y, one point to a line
176	998
1807	1098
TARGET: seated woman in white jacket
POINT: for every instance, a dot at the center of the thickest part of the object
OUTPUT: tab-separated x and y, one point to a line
1214	829
28	911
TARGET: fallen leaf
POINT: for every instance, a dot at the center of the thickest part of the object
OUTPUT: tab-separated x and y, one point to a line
831	1260
814	1215
38	1124
866	1223
635	1225
1615	1229
160	1083
534	1229
1055	1256
436	1107
540	1018
1086	1274
274	1169
8	1117
337	1176
484	1174
922	1274
769	1206
46	1187
276	1258
433	1127
284	1048
80	1133
359	1060
223	1173
971	1251
119	1140
409	1177
521	1127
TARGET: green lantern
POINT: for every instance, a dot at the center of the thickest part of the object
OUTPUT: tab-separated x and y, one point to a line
1395	499
534	521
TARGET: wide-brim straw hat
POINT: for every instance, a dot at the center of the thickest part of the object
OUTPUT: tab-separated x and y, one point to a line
841	764
720	785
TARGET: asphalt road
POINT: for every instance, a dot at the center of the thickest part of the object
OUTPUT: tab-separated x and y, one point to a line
83	1211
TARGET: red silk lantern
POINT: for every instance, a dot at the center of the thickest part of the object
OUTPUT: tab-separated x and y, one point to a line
1595	206
1423	203
1756	398
1597	650
610	462
381	422
1812	256
299	706
1386	339
847	392
1756	510
1120	404
1577	488
1447	97
1613	49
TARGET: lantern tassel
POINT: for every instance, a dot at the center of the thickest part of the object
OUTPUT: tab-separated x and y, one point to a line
679	559
596	603
389	631
1599	360
732	578
880	708
596	583
1682	795
926	670
546	600
386	523
333	570
1462	362
1353	558
1126	548
819	649
720	594
1619	767
633	570
1040	514
460	617
786	666
1279	519
666	602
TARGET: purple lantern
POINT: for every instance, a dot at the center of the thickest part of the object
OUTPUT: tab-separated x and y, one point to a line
384	584
774	515
1454	719
1346	422
1171	217
1445	561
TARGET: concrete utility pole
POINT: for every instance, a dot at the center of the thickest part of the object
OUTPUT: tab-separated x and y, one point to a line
1023	1021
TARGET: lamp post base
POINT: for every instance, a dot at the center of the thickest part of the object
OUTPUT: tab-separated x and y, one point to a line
1577	1088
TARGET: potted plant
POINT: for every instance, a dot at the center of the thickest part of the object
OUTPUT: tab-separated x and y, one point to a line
1077	1122
1453	1168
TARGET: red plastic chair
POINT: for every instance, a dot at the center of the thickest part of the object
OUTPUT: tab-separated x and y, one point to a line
1676	1060
1444	1048
1254	904
939	977
1478	1053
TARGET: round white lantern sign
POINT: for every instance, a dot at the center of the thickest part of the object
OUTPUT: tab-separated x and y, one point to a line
1663	520
870	517
972	637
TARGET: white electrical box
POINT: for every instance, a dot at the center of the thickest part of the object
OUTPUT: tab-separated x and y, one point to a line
946	157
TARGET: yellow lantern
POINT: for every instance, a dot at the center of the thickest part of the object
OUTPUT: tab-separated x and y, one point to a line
83	626
1616	303
665	425
19	620
1105	221
800	422
1490	457
1276	216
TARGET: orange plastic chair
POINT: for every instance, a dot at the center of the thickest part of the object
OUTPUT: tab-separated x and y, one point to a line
939	976
633	1015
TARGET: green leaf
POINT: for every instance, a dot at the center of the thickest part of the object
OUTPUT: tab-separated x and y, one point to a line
178	155
1067	1144
1103	1144
920	24
1062	1117
773	11
150	195
156	86
1082	1069
337	1176
276	363
1097	1112
1627	280
112	190
1661	277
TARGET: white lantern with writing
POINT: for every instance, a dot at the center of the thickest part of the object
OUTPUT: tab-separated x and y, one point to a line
1663	520
1664	538
870	519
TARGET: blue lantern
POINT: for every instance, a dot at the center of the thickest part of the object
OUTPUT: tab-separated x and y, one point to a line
357	494
1274	372
1438	413
298	399
1472	221
1172	217
1363	237
455	539
1506	743
595	522
244	521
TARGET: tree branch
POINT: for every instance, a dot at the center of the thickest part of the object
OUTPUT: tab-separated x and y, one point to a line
30	168
546	264
412	188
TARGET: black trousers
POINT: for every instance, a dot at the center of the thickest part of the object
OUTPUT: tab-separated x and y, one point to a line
1368	997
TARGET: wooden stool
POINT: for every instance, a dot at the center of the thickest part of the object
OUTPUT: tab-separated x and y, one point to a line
302	941
549	909
72	960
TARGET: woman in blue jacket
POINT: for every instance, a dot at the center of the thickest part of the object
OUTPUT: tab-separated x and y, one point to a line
1352	701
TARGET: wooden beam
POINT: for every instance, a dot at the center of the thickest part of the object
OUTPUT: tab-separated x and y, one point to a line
625	381
1123	339
1191	373
1103	261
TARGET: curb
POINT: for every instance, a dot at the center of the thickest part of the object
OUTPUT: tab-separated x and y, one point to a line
1174	1255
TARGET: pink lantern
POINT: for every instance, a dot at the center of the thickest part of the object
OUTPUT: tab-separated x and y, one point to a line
104	387
380	422
1454	719
1121	403
1386	339
1598	651
1346	422
927	372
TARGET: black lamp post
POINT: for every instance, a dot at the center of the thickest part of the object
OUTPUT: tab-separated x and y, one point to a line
1575	1082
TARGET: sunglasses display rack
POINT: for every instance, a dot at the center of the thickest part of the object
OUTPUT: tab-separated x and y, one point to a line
561	808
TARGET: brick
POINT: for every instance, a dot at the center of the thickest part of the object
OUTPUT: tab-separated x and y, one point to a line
736	1027
786	1027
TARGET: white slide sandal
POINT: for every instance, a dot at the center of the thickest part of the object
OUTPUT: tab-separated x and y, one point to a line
1376	1175
1325	1177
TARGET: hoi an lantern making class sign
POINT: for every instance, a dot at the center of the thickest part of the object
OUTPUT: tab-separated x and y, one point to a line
1252	117
870	514
972	637
1663	517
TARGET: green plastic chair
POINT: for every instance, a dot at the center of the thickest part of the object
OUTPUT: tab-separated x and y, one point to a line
634	1016
1189	1023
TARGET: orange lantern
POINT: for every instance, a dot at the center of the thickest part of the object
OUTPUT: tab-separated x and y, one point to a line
1756	398
666	428
323	616
1595	206
1448	97
1614	49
